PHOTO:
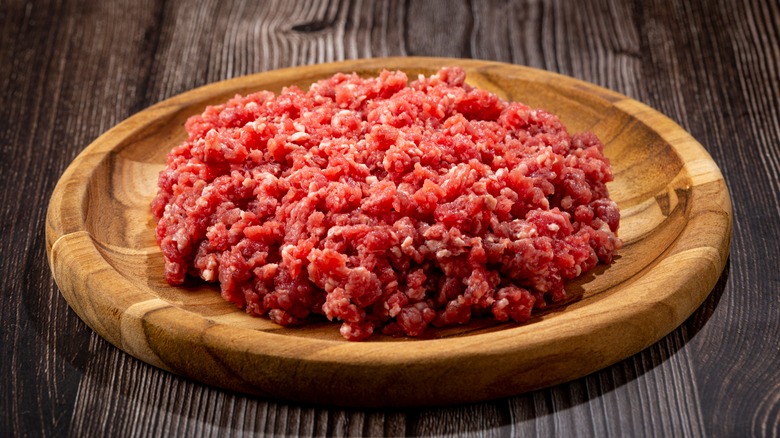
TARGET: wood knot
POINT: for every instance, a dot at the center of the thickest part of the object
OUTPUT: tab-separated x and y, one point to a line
312	26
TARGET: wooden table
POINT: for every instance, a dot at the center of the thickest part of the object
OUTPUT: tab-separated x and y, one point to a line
71	70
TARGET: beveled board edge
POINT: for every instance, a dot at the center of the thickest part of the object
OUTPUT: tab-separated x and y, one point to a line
561	348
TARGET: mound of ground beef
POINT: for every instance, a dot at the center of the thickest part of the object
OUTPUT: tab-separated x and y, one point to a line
386	205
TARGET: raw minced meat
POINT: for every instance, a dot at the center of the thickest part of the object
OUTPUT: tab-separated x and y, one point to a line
384	204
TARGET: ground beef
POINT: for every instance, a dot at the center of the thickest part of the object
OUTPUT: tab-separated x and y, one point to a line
386	205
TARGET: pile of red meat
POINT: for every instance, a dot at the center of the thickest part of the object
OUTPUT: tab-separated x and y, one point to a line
384	204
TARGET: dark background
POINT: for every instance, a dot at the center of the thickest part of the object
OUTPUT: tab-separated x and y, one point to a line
70	70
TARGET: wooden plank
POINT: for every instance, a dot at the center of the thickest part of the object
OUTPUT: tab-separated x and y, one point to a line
710	66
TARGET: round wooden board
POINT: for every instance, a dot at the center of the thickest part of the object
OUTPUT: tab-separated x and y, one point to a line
676	225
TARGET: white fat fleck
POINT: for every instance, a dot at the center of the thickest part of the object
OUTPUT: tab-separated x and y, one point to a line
181	239
286	253
407	242
490	202
395	310
299	136
330	284
523	169
208	275
553	227
371	179
443	253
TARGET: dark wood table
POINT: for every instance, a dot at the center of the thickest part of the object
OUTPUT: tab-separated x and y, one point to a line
70	70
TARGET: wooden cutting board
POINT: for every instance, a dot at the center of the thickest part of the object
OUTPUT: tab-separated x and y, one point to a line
676	225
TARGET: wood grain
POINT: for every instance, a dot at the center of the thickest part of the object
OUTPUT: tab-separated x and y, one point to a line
676	227
71	69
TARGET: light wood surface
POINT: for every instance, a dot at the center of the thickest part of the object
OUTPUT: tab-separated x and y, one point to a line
676	225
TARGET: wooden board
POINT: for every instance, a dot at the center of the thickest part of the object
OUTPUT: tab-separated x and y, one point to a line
676	225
